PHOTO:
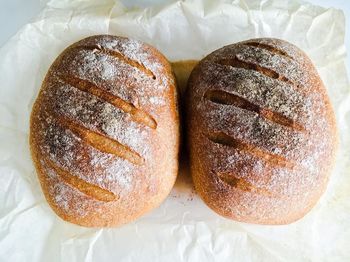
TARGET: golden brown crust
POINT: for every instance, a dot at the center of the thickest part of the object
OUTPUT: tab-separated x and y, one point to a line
104	131
262	133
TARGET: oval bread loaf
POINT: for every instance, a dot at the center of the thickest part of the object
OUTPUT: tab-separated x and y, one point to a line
261	130
104	131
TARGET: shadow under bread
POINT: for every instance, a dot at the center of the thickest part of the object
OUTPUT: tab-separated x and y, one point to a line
182	70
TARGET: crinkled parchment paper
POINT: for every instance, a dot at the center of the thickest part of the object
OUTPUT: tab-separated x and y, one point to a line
182	228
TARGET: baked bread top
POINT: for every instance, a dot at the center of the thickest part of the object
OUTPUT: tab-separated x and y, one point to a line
262	131
104	131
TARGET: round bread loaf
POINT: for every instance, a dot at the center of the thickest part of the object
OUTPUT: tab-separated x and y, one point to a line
104	131
261	130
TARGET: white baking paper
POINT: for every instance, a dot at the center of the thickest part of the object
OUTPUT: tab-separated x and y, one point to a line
182	228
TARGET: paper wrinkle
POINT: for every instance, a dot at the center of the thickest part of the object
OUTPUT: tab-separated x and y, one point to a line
183	228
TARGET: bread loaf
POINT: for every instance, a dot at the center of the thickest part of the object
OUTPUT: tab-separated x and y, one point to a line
104	131
261	130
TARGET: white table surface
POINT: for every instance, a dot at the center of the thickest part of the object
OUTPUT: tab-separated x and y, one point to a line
15	13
